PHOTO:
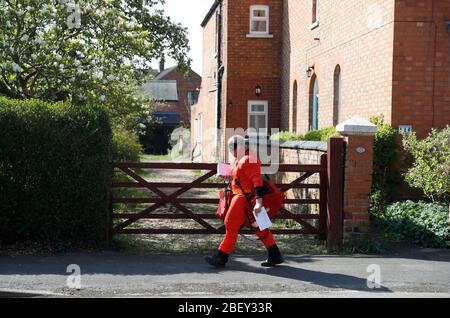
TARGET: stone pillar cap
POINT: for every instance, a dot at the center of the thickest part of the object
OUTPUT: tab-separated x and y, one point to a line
357	126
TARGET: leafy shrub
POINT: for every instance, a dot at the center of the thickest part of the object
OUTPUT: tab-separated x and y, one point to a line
286	136
321	135
426	224
384	177
125	146
55	173
431	168
315	135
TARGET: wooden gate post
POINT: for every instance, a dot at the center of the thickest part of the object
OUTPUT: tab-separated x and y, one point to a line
323	198
335	185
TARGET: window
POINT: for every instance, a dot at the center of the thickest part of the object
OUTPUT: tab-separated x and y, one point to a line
213	83
257	117
192	97
199	130
216	47
337	96
314	104
294	107
315	12
259	20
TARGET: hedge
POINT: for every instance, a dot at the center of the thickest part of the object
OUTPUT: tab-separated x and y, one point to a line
55	173
315	135
321	135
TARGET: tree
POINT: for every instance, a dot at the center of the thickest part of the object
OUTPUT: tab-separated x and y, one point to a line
85	51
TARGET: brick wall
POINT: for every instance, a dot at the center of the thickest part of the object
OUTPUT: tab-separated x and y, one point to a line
252	62
247	62
357	187
205	151
356	35
421	76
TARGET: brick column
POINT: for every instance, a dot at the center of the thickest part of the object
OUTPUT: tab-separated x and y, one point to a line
358	137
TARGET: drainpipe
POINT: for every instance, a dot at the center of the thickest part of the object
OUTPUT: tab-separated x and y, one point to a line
220	71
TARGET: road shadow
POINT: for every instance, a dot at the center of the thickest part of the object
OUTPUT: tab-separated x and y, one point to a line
296	270
319	278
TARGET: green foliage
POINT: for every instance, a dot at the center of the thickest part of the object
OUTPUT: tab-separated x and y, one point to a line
384	177
286	136
85	51
431	168
426	224
55	173
315	135
321	134
125	146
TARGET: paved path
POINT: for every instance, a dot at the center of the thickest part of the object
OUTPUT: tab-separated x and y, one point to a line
416	273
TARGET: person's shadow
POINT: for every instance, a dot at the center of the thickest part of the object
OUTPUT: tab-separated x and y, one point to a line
328	280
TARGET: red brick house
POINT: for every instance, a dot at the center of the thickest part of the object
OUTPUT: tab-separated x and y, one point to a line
175	92
302	65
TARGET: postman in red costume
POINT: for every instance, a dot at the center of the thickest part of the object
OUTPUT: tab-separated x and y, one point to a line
250	193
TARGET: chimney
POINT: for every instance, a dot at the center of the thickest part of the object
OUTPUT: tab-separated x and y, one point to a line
161	64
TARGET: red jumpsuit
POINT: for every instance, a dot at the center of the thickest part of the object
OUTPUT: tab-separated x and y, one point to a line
248	171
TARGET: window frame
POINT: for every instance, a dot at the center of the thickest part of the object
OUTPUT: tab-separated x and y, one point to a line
315	14
216	40
294	106
256	7
194	97
265	113
337	95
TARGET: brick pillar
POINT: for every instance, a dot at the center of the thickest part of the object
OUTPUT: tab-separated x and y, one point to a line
358	137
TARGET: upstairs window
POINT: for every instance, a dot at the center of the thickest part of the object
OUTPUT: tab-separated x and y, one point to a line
216	46
259	19
315	14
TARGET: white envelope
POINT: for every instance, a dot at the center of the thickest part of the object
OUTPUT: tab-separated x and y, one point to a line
223	170
262	219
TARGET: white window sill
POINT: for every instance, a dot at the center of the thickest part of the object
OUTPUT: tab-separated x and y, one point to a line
260	36
315	25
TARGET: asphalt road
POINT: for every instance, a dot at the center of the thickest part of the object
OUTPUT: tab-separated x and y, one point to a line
422	273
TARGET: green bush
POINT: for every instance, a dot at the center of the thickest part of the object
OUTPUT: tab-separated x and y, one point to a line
321	135
384	177
55	173
315	135
426	224
125	146
286	136
431	168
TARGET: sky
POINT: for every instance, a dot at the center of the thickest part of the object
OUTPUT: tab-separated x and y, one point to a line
190	14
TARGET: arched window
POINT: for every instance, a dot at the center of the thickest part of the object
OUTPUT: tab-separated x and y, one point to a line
315	7
294	107
337	96
314	104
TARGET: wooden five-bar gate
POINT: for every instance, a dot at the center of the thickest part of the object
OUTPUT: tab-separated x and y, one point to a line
123	222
